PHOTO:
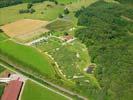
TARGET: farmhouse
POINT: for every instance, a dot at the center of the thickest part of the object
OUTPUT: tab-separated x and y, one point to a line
67	37
12	90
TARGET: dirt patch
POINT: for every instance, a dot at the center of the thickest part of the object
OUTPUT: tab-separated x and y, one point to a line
25	28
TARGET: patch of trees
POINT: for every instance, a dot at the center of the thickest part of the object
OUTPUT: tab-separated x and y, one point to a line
28	10
106	36
5	3
36	1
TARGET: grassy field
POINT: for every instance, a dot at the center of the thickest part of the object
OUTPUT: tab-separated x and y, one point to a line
72	58
66	1
2	36
77	5
33	91
60	25
28	57
43	12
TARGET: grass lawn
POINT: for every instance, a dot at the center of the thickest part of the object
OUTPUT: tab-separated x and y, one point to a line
42	12
2	36
28	57
33	91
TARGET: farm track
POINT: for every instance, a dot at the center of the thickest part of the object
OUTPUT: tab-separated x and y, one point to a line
45	81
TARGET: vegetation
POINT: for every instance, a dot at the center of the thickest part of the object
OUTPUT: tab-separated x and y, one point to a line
5	3
60	25
106	34
66	11
27	58
1	69
65	1
1	89
76	59
2	36
42	12
33	91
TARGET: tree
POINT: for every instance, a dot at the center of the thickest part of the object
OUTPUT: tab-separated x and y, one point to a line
31	10
65	33
60	16
29	5
66	11
56	2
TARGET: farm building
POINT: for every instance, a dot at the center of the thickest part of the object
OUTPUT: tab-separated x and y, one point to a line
67	38
12	90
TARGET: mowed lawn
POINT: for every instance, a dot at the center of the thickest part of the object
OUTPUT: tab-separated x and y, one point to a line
27	57
33	91
43	12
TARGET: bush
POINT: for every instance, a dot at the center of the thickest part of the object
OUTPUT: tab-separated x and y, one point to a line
60	16
29	5
66	11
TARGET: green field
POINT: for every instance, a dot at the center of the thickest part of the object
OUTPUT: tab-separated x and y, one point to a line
2	36
60	25
1	69
28	57
66	55
33	91
42	12
66	1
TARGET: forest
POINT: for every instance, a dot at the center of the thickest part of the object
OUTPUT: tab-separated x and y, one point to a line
108	34
6	3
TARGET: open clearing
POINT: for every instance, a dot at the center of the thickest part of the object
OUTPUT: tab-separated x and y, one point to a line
27	58
25	28
43	12
33	91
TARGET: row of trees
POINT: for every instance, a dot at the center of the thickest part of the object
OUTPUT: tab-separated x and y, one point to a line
5	3
106	34
28	10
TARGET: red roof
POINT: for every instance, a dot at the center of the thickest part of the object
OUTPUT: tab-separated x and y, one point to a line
12	90
68	37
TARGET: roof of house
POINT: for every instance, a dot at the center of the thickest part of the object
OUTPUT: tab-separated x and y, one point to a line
68	37
12	90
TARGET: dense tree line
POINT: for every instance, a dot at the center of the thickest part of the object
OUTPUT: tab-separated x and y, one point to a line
5	3
109	39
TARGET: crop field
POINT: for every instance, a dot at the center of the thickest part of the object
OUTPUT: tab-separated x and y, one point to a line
60	25
72	58
28	57
42	12
33	91
25	28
